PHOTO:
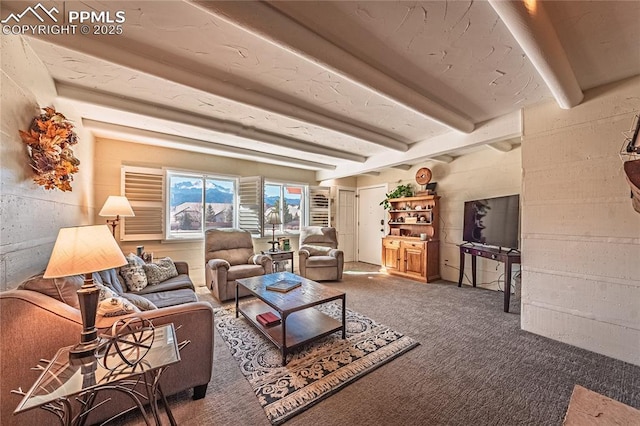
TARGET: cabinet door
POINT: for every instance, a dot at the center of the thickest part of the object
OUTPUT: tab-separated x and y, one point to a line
391	254
414	261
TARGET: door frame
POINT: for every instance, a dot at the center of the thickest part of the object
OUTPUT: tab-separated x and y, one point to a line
355	214
386	229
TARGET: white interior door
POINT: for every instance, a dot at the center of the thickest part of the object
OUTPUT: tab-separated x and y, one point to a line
371	218
347	223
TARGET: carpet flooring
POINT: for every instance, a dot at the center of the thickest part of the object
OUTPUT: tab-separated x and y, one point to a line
474	366
314	371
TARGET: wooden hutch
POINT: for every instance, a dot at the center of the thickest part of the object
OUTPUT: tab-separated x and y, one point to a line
412	248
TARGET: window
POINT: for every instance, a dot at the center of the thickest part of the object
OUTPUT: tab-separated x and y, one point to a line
199	202
289	200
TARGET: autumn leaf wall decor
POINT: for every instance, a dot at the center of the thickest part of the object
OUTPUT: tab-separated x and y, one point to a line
49	141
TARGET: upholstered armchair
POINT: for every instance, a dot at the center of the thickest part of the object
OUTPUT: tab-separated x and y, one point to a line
229	255
319	257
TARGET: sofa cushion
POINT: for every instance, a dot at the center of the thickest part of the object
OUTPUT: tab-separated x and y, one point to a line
244	271
321	261
63	289
175	283
169	298
160	270
133	273
140	302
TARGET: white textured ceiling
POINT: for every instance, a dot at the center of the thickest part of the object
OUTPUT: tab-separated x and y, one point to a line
342	87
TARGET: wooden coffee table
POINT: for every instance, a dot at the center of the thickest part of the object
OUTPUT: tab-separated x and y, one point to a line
300	322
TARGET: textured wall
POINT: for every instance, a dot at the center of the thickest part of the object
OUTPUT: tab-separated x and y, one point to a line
581	237
31	216
111	155
480	174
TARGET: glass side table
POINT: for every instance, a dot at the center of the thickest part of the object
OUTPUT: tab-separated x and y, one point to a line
64	379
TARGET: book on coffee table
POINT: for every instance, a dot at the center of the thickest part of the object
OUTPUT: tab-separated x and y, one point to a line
268	319
284	286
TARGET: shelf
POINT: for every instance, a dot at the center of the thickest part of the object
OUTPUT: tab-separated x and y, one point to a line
411	210
405	223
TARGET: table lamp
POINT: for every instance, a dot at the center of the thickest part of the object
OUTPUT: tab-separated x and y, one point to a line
273	218
84	250
116	206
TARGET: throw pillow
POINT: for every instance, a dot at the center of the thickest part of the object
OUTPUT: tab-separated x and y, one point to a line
63	289
116	306
133	273
140	302
159	271
105	292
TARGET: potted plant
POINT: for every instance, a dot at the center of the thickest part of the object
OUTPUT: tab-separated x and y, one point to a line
399	192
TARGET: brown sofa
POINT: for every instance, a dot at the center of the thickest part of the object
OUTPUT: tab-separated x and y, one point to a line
36	325
229	255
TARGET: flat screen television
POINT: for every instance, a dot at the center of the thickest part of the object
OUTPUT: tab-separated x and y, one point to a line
492	221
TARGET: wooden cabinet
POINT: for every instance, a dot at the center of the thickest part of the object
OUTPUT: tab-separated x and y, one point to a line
404	252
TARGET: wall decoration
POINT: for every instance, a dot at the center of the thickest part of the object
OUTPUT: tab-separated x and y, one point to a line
631	166
49	141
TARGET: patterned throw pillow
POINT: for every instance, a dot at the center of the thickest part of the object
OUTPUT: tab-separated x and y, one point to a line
115	306
105	292
133	273
159	271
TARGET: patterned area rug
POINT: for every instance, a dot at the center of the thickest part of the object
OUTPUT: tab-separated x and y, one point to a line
314	371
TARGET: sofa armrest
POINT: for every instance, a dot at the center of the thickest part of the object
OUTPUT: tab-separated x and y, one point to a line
303	254
218	263
336	253
263	260
182	267
34	327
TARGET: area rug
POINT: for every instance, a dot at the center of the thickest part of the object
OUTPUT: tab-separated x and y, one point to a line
314	371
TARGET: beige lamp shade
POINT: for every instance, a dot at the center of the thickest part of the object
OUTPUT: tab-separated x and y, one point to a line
116	206
273	218
83	250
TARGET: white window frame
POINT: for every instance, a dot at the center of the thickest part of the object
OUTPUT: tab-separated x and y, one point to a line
304	210
196	234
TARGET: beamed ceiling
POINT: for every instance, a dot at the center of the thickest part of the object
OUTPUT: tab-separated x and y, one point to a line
341	87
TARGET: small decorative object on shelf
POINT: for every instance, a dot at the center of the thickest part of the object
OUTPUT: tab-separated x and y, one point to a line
423	177
49	139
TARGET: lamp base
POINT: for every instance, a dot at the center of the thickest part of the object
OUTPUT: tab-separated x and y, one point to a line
83	349
273	248
88	296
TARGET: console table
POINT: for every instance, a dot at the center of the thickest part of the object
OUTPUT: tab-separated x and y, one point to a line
506	257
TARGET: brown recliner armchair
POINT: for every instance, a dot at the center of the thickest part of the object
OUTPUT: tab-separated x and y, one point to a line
319	257
229	255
